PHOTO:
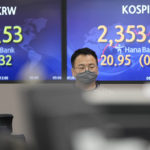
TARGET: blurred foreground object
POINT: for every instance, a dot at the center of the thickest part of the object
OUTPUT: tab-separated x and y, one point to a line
63	119
57	111
6	123
8	142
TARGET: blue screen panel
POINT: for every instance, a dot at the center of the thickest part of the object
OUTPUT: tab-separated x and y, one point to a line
117	30
30	40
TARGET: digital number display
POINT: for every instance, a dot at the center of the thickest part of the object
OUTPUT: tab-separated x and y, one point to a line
30	40
118	31
131	30
17	32
5	60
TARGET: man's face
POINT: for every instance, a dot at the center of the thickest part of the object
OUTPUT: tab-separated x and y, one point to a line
83	63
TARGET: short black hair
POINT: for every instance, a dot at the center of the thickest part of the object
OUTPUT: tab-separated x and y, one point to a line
83	51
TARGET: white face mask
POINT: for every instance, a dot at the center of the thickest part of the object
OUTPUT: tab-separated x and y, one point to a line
86	77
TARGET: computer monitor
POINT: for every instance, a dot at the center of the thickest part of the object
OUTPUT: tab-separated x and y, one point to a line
118	31
30	40
63	119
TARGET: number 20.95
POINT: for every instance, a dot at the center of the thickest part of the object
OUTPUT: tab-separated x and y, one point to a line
110	61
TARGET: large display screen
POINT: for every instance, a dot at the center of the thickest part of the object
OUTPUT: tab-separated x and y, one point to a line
30	40
117	30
